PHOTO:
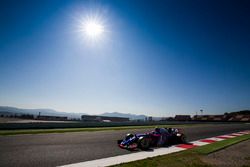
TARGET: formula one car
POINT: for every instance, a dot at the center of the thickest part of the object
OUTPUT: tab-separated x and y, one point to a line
145	141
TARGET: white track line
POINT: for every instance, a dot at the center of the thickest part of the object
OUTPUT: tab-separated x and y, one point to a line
126	158
146	154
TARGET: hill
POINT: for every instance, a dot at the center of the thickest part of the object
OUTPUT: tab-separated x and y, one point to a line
35	112
13	110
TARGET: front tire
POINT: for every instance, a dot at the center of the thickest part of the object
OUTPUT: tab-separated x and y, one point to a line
144	143
183	139
119	141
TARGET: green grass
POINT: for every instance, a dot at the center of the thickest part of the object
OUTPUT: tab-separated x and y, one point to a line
64	130
189	158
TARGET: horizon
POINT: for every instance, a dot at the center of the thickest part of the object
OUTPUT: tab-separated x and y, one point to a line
137	57
154	116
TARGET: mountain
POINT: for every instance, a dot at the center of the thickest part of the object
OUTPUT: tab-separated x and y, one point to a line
51	112
130	116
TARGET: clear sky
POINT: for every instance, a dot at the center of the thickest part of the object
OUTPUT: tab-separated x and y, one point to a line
157	58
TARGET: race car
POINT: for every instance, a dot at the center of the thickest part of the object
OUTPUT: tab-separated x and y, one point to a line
158	137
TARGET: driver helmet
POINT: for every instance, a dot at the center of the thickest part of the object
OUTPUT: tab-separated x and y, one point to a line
129	135
157	130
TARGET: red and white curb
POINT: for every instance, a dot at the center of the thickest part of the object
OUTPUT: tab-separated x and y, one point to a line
147	154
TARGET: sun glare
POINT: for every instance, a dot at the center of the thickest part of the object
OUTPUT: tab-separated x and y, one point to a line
92	26
93	29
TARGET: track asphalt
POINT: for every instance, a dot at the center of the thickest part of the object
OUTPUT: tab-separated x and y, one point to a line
67	148
153	153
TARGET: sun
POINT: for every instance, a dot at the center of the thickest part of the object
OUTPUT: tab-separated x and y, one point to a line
93	29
